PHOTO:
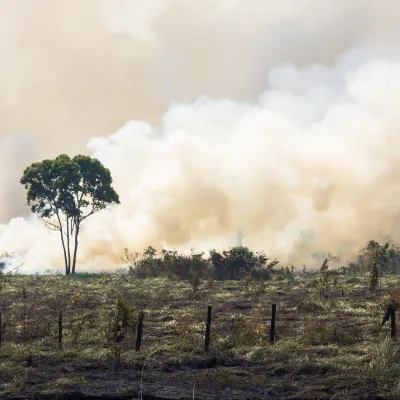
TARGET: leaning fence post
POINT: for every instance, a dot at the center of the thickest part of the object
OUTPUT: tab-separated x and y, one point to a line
139	331
393	323
273	319
60	330
391	313
208	329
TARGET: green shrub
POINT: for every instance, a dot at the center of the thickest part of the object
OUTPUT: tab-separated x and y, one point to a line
168	264
233	264
239	261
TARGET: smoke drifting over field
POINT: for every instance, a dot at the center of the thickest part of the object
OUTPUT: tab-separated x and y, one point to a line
227	115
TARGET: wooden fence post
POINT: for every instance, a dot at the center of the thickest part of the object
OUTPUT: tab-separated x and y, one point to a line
391	314
139	331
24	314
60	330
273	320
393	323
208	329
1	330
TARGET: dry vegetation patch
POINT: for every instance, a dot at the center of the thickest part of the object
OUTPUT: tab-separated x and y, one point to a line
326	346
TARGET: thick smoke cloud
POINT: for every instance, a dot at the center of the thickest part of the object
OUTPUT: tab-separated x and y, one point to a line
243	114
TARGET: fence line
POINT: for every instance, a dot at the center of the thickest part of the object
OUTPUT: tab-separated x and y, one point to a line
390	314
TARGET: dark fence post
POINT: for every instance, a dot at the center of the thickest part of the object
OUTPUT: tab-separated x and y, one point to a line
393	323
139	331
391	314
30	361
208	329
60	330
273	319
1	330
24	329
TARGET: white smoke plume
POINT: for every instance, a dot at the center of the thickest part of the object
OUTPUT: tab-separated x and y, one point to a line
235	114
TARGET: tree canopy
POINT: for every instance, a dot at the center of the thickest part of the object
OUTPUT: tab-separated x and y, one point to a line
63	192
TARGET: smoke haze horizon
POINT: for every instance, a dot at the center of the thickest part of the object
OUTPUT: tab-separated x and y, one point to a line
212	118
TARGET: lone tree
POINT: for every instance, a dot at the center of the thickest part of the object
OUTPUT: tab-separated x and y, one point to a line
64	192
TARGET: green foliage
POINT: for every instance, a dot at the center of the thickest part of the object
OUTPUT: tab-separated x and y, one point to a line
233	264
63	192
121	322
125	314
386	255
324	281
167	264
239	261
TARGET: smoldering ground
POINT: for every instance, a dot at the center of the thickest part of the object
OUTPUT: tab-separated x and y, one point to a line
243	114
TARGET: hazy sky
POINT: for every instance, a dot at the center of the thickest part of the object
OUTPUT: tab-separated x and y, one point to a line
212	115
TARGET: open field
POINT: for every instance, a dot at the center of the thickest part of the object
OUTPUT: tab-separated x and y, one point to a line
326	348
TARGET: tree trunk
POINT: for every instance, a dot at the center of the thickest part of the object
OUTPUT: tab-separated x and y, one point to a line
76	248
66	263
68	246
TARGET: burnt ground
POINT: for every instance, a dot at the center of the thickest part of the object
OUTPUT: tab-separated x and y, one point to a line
326	347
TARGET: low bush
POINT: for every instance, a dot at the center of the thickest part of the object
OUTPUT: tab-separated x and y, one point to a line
232	264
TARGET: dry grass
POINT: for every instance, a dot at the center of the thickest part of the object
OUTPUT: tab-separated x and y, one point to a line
326	348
